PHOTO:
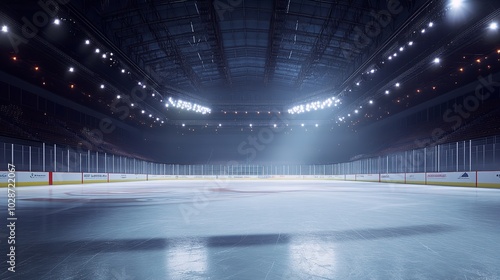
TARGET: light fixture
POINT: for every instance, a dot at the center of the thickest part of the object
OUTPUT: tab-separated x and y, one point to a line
431	24
57	21
356	111
456	3
251	125
357	83
71	69
387	92
371	102
398	84
437	60
314	106
410	43
102	86
316	125
390	57
372	71
302	125
103	55
97	50
142	112
401	49
220	125
275	125
132	104
188	106
87	42
183	125
123	70
5	29
118	97
494	26
423	30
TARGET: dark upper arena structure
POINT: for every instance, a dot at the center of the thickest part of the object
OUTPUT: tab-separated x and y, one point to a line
262	81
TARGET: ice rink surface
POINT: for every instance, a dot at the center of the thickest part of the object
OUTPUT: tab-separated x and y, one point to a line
253	229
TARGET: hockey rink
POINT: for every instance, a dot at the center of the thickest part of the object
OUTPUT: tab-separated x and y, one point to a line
253	229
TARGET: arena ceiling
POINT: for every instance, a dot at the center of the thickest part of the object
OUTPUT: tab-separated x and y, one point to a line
247	60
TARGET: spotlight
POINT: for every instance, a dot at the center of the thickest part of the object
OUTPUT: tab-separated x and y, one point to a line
410	43
153	95
431	24
316	125
357	83
132	104
142	112
437	60
57	21
102	86
220	125
97	50
401	49
372	71
157	119
103	55
71	69
87	42
398	84
456	4
251	125
356	111
390	57
123	70
275	125
371	102
494	26
5	29
423	30
302	125
118	97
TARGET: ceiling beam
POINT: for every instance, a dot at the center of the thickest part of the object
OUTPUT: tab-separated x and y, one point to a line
273	47
209	18
327	32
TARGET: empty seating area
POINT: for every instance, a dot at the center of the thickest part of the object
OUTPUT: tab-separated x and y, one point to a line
36	126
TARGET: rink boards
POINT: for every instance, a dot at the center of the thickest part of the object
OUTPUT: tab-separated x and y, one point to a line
485	179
